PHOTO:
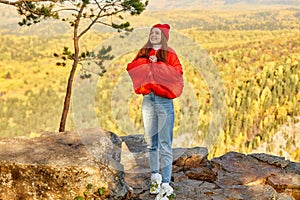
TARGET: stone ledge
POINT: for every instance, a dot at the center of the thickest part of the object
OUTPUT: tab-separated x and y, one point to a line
60	165
231	176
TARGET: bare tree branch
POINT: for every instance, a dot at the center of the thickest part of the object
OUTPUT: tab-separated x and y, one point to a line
93	22
106	24
14	3
96	18
65	9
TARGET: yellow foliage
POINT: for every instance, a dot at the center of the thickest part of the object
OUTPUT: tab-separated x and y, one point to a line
252	64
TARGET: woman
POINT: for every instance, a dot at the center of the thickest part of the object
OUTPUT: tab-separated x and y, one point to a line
156	73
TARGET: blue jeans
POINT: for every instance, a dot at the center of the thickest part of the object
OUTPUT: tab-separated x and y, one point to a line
158	118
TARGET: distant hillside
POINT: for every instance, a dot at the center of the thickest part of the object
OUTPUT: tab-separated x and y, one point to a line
167	11
264	2
175	4
196	4
206	20
8	15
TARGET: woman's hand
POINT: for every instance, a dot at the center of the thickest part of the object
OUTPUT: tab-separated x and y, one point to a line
153	58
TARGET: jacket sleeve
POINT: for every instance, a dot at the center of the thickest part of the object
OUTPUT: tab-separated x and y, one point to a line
138	71
136	63
169	75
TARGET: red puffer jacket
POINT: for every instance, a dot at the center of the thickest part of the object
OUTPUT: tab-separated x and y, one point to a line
163	79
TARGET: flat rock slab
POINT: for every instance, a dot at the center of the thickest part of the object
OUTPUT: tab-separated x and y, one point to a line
61	165
272	160
238	169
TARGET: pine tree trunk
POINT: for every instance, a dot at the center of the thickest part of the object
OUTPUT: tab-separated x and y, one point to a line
67	101
67	98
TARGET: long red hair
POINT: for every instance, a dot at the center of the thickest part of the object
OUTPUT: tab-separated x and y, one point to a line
161	53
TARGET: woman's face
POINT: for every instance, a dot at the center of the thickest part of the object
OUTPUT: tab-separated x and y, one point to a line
155	36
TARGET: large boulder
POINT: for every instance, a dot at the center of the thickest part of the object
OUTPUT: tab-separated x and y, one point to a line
61	166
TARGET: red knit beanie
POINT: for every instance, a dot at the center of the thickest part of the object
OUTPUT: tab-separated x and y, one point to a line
165	28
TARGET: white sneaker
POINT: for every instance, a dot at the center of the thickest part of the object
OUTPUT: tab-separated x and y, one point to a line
166	192
155	183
